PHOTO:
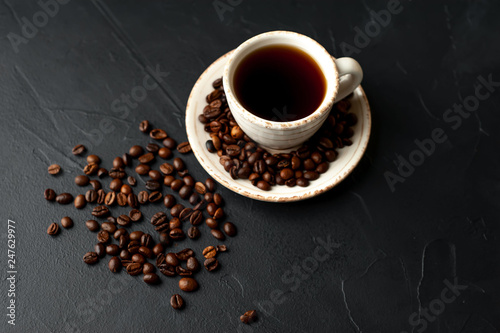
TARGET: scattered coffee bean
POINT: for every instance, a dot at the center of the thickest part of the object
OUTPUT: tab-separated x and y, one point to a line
135	215
188	284
136	151
193	265
114	264
184	147
90	258
90	169
64	198
93	159
221	248
230	229
80	201
134	269
144	126
78	149
100	211
218	234
53	229
164	153
54	169
158	134
170	143
67	222
193	232
101	173
184	254
103	236
82	180
91	196
49	194
176	301
209	252
148	268
92	225
248	317
211	264
100	250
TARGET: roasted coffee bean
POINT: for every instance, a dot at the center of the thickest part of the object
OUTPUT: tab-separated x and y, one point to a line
233	150
185	213
100	250
121	199
125	189
113	249
230	229
133	246
196	217
167	270
78	149
117	173
82	180
136	151
64	198
96	185
93	159
211	264
115	185
170	143
169	201
192	264
90	258
211	223
322	167
147	240
263	185
102	172
92	225
127	159
158	134
90	169
138	258
100	211
291	182
176	234
200	205
158	249
219	213
221	248
53	229
194	198
158	218
80	201
123	220
210	184
171	259
174	223
176	210
164	239
49	194
179	164
118	162
67	222
91	196
148	268
103	236
176	301
167	168
155	175
218	199
146	158
188	284
135	215
125	255
123	241
101	196
109	227
286	173
114	264
134	269
54	169
209	252
144	126
249	317
185	192
164	153
200	188
132	200
136	235
182	271
177	185
145	251
153	185
143	197
184	254
152	148
311	175
142	169
211	208
120	232
193	232
210	146
184	147
168	180
110	199
218	234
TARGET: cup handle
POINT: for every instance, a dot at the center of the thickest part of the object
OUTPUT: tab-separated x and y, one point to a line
350	67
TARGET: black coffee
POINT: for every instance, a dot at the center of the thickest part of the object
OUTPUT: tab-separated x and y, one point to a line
279	83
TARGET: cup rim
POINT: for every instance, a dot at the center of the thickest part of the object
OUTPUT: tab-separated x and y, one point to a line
324	107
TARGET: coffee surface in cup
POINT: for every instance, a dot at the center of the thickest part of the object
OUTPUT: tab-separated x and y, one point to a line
279	83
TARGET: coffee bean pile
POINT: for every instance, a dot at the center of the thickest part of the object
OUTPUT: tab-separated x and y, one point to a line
130	250
242	158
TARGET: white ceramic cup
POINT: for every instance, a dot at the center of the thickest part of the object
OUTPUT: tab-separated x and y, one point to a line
287	136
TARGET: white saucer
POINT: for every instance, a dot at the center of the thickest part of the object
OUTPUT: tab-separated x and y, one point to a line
347	160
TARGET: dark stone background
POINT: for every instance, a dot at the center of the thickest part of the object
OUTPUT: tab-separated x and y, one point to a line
396	248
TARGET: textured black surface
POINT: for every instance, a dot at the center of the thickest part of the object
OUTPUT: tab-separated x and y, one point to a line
395	248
